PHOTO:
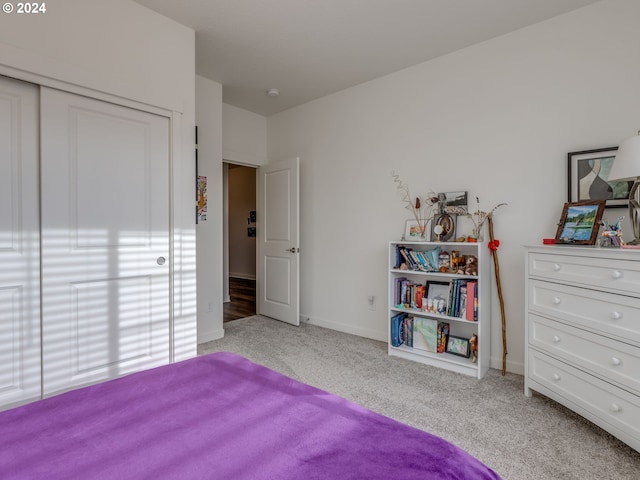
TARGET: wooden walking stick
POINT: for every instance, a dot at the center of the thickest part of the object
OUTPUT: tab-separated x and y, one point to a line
493	246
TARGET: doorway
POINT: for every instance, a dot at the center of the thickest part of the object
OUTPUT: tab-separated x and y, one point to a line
240	231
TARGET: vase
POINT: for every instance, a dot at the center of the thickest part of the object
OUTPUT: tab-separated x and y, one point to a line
475	236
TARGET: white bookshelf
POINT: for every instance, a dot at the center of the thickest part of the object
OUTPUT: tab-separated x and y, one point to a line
459	327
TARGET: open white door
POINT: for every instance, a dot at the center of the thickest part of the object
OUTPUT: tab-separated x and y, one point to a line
278	232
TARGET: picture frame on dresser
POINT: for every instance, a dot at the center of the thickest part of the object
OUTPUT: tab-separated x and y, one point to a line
580	222
588	174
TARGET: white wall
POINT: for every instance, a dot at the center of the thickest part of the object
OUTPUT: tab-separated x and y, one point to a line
244	136
209	232
121	49
496	119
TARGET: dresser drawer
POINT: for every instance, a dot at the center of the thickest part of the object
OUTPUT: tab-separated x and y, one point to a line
603	401
614	316
614	361
617	276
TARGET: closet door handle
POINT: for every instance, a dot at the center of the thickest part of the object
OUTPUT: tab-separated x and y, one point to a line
161	260
616	274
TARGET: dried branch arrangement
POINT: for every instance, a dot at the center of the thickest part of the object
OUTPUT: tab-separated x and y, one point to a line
423	208
479	217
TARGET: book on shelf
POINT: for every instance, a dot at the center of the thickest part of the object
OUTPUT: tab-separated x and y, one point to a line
404	288
407	294
425	334
417	260
472	301
396	328
462	302
407	332
443	335
420	293
397	290
463	299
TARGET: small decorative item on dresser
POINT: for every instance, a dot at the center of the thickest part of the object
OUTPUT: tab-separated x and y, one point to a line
580	222
611	234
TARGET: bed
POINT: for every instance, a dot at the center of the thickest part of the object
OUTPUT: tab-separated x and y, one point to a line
218	416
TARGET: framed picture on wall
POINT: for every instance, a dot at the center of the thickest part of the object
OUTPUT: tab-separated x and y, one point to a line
589	178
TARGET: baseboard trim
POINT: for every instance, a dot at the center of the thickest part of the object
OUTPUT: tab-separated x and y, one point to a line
211	335
360	332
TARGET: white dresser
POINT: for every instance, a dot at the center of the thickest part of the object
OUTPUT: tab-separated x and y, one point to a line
582	336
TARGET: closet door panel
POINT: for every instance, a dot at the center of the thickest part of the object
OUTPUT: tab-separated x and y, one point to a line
19	244
105	240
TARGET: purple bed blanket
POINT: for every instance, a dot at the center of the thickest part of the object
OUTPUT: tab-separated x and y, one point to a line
217	416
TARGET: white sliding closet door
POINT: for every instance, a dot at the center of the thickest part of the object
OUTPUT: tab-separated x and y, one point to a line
19	244
105	240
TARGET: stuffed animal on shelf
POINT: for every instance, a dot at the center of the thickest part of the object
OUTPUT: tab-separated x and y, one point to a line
471	265
473	341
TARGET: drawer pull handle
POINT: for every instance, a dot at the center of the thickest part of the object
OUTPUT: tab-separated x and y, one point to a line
616	315
556	339
556	377
556	267
616	274
616	408
616	361
557	300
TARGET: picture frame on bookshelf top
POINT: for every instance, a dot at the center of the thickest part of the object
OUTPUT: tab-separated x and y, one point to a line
443	227
413	231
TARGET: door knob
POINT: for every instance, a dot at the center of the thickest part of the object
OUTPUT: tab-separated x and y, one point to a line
161	260
293	250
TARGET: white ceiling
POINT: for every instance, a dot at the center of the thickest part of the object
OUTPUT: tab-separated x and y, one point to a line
311	48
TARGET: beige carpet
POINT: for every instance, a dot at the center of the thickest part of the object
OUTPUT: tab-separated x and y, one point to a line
519	437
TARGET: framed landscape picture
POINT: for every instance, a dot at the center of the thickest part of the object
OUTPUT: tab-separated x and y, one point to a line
580	222
589	178
458	346
413	231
